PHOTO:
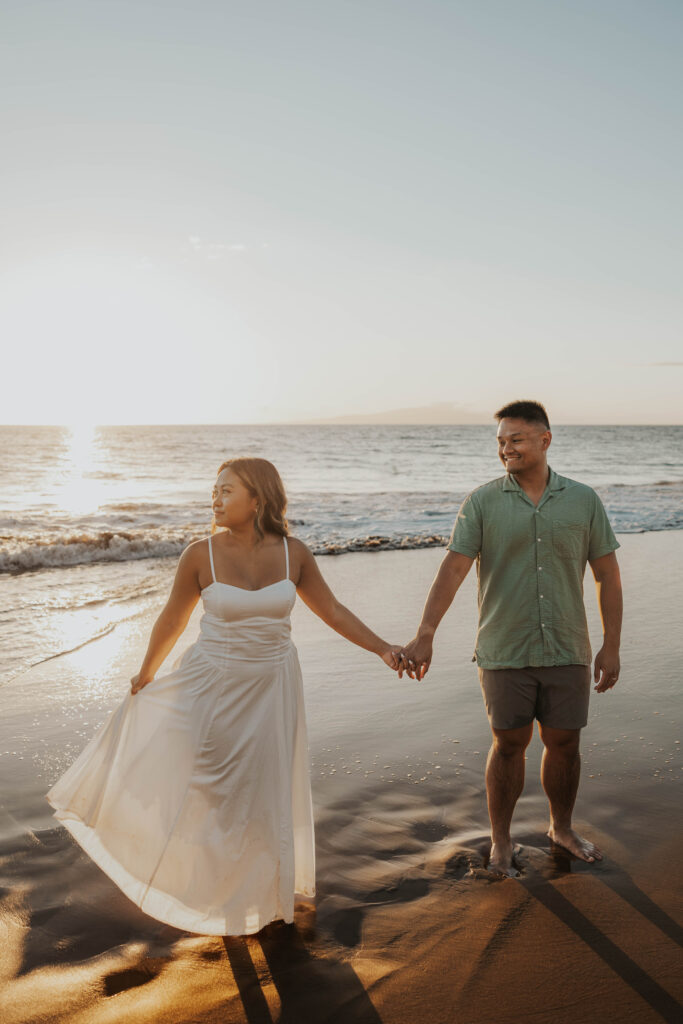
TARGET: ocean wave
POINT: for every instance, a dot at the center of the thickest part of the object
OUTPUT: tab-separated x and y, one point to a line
133	506
330	524
640	487
379	543
27	553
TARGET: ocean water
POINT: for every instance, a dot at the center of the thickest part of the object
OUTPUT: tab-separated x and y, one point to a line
93	519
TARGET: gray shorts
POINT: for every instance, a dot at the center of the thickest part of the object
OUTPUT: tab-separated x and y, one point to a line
556	695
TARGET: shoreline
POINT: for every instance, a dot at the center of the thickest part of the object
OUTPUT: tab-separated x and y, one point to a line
407	925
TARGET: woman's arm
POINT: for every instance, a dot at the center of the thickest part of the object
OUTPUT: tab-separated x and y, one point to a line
173	618
315	592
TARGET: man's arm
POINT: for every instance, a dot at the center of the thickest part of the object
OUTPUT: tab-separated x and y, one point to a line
610	602
451	573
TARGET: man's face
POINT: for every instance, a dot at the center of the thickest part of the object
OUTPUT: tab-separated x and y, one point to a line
521	445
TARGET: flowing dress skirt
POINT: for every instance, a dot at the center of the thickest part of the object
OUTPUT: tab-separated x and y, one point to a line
194	797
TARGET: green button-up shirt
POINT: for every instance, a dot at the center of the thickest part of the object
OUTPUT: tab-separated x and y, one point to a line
531	561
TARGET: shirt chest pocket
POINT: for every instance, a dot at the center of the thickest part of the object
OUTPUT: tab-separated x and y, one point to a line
570	541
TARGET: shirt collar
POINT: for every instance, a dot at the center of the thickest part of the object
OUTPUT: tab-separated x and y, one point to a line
555	482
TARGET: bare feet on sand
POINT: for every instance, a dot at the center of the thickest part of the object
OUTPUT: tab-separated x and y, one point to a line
501	860
569	840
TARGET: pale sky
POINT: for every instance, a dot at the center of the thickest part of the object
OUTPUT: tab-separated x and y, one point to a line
260	211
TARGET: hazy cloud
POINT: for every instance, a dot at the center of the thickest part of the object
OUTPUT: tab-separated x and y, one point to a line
214	250
144	263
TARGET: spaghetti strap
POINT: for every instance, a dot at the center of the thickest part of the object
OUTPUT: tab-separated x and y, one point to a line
286	558
213	571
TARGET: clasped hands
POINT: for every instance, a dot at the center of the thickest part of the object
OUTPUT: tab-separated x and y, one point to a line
414	658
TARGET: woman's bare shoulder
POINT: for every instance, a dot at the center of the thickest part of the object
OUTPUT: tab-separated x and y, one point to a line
197	545
195	554
297	547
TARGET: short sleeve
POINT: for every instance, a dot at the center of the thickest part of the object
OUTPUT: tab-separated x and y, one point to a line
466	535
601	540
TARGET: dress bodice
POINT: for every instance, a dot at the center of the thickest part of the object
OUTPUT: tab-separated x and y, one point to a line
234	604
247	624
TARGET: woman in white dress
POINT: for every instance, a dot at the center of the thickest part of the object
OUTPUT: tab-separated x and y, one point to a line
195	797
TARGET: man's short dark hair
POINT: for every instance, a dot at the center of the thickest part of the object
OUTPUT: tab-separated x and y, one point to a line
532	412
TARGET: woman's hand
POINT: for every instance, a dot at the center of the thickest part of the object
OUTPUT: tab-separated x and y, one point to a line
138	681
391	656
416	657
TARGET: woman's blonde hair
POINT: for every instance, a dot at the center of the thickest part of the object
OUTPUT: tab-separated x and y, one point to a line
263	482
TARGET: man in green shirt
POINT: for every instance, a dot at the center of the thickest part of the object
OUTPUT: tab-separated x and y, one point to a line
531	533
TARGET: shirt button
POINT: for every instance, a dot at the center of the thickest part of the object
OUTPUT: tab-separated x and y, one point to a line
541	596
538	539
543	625
540	568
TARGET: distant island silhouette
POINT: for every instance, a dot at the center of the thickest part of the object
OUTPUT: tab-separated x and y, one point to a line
446	413
450	414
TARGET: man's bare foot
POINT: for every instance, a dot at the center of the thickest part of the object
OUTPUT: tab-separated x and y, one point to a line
501	860
569	840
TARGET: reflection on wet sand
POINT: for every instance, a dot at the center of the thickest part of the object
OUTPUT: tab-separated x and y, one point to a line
430	933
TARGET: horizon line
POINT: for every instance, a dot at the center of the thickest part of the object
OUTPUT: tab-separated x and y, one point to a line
326	423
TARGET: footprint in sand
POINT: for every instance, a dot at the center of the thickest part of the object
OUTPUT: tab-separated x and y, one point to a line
346	926
405	891
132	977
430	831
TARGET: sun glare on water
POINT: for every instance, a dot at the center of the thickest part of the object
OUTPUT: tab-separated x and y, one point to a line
81	487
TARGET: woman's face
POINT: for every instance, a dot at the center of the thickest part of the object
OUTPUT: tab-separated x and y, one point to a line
233	505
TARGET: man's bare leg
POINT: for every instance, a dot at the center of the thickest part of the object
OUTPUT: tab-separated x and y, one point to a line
504	784
560	770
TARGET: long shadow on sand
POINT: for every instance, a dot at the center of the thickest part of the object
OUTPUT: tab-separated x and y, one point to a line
311	989
75	912
72	910
537	881
619	881
623	885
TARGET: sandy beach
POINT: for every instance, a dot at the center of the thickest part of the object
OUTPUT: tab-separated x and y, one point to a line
408	926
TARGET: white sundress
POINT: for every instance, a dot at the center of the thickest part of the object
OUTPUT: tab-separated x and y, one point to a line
194	796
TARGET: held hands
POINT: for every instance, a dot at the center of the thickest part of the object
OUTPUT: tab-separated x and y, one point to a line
416	657
607	667
404	659
392	656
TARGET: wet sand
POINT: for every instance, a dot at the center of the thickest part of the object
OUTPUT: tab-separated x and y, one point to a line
408	926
